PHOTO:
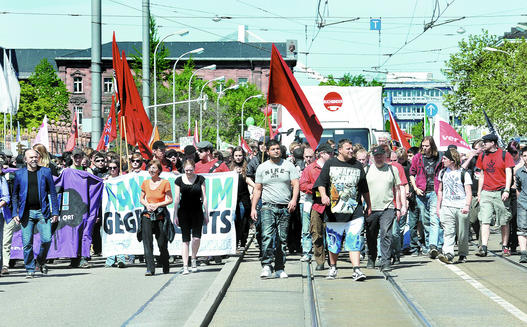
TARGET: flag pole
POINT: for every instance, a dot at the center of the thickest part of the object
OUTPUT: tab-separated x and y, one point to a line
120	144
126	139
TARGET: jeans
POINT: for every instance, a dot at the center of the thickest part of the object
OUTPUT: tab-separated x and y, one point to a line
397	236
454	224
114	259
380	221
7	239
274	221
243	213
426	204
307	242
36	218
151	228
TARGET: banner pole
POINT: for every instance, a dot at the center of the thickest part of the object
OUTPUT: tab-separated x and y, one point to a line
126	140
121	144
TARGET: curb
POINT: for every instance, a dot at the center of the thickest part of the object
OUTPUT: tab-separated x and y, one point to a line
209	303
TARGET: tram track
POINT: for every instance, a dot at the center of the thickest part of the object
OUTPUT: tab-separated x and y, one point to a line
312	297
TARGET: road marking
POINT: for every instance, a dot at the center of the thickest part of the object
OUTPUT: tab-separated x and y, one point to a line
490	294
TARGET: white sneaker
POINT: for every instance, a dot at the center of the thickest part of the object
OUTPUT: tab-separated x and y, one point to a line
266	272
332	274
280	274
194	265
305	258
185	271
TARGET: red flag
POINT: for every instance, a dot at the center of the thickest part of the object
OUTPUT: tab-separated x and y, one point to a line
74	134
397	133
272	133
117	74
110	129
284	89
189	132
245	146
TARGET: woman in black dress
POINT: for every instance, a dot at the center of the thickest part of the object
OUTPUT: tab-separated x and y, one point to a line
190	211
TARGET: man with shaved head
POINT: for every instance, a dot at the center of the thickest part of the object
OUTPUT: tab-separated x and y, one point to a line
33	189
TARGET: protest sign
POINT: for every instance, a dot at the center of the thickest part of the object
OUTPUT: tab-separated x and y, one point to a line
122	208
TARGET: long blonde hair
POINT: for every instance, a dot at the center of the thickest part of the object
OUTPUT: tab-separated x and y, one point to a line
44	154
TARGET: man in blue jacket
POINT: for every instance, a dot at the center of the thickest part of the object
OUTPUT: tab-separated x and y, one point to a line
33	189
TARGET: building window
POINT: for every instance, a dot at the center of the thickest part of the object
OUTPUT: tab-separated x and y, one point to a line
108	85
78	112
242	80
106	110
77	84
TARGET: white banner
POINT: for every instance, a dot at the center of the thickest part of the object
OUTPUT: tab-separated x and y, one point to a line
121	209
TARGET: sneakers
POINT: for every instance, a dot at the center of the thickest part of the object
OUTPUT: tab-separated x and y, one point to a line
462	259
386	267
446	258
396	260
148	273
280	274
370	264
121	264
358	275
218	260
416	253
506	251
523	258
185	271
194	265
433	252
482	252
305	258
319	267
266	272
30	275
44	269
332	274
5	270
84	263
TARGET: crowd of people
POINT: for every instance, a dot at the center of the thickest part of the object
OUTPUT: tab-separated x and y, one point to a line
305	201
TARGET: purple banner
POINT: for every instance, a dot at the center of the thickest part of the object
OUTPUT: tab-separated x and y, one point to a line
80	197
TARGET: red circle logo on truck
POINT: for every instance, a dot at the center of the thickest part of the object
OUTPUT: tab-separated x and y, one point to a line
333	101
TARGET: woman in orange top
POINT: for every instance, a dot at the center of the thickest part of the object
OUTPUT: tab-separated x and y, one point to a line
155	196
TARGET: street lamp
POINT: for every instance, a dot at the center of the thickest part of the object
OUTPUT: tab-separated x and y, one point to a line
496	50
196	51
209	67
249	98
218	111
180	33
221	78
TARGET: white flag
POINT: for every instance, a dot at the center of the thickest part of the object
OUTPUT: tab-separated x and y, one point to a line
12	85
5	97
43	135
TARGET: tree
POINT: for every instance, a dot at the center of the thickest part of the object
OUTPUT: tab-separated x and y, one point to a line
350	80
417	133
162	64
43	94
489	80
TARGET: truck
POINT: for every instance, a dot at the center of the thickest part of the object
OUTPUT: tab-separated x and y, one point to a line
351	112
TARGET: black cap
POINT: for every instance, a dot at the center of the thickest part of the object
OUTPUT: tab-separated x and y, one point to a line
378	150
159	145
205	145
170	153
77	151
452	146
189	150
490	138
324	147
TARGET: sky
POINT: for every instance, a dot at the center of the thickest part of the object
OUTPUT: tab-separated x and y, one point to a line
334	36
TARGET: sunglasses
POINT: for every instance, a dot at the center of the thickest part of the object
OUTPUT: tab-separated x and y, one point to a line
99	160
137	160
170	157
202	150
112	168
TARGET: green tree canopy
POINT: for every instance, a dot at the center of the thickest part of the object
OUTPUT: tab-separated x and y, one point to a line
493	81
43	94
350	80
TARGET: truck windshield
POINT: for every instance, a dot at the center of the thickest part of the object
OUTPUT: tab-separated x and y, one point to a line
356	135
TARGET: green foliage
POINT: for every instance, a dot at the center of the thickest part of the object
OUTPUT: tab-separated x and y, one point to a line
491	81
162	64
417	133
350	80
43	94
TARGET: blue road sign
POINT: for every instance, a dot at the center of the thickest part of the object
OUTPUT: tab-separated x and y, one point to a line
431	109
375	24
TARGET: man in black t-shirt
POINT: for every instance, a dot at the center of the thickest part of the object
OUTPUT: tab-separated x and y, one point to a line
341	184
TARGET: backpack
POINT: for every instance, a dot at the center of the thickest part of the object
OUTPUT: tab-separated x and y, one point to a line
463	171
216	165
503	153
367	168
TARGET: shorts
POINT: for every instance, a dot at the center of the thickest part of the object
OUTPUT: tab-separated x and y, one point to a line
189	225
348	233
493	210
522	221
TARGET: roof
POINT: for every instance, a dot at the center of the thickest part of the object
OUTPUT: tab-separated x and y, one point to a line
25	60
231	50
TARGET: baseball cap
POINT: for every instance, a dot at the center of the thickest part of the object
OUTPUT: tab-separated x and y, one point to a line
189	150
205	145
378	150
325	148
490	138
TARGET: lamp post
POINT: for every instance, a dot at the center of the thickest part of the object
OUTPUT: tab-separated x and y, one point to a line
209	67
197	51
221	78
249	98
180	33
218	111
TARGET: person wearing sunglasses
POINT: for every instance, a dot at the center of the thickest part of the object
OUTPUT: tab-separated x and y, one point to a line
136	163
173	160
99	161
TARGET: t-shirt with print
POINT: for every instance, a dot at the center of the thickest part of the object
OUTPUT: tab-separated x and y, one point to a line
276	181
344	182
453	191
493	167
430	164
381	183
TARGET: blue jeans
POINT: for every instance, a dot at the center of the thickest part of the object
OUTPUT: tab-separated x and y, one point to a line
114	259
426	204
307	242
413	219
36	218
397	236
274	225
